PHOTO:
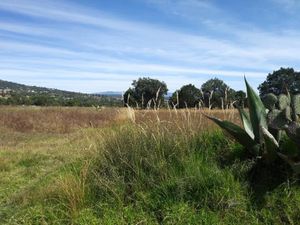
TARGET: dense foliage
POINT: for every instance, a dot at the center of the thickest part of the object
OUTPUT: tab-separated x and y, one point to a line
146	92
186	96
214	93
279	80
217	94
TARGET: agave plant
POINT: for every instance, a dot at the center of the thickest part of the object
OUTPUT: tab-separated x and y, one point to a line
255	135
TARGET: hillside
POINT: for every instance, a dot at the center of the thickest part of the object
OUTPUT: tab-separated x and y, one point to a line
21	88
19	94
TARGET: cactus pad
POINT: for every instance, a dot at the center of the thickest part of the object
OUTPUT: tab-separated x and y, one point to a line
277	119
296	106
287	113
283	101
293	131
270	100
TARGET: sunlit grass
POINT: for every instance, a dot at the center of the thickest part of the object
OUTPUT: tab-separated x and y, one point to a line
135	167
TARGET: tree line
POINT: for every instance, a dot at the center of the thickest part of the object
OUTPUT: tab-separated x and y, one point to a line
214	93
151	93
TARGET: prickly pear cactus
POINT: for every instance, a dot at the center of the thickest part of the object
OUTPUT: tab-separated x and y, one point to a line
283	101
293	131
287	114
270	101
280	113
277	119
296	107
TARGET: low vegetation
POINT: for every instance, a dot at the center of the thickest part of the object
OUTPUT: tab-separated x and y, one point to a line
122	166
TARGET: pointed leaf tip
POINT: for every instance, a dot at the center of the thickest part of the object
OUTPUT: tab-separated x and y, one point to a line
257	111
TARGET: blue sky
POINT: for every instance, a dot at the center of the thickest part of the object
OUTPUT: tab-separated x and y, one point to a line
92	46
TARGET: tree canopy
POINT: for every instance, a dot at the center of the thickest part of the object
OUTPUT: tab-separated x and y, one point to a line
146	92
188	96
216	93
241	99
279	80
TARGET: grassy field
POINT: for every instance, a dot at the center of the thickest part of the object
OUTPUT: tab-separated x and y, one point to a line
121	166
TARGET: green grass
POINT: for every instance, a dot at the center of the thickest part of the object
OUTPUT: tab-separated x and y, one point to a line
140	174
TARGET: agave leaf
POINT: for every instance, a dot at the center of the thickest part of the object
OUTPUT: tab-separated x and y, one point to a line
246	122
257	112
235	131
271	145
294	165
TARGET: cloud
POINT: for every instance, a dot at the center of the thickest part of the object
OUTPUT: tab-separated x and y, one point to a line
66	41
289	5
189	9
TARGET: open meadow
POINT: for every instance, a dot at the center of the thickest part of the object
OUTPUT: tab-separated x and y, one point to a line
125	166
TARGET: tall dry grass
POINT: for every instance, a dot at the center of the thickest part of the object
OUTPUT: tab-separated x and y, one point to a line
183	120
54	119
65	120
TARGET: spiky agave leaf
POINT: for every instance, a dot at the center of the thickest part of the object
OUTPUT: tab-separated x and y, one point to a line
257	112
271	145
235	131
246	122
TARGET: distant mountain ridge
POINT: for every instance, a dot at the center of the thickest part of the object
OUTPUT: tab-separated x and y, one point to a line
22	88
12	93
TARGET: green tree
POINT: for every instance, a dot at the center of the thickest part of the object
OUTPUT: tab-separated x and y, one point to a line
42	100
128	97
146	92
240	98
3	101
188	96
216	93
279	80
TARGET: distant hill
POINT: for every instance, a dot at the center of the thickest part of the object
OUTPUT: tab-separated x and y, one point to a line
21	88
19	94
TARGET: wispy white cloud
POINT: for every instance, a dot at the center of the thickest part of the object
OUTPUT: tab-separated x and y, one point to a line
289	5
190	9
83	43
